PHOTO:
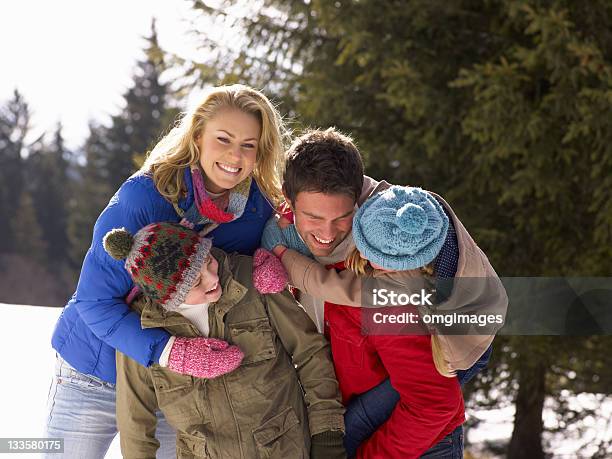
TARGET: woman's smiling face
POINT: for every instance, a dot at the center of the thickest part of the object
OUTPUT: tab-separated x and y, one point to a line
228	148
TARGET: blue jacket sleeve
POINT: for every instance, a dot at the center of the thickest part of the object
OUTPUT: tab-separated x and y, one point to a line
104	281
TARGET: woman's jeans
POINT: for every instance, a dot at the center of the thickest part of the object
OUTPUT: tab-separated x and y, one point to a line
367	412
81	410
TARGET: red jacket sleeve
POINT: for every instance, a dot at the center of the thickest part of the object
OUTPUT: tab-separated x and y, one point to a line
430	405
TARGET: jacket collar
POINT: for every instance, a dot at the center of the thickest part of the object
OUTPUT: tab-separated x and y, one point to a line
470	263
340	251
233	291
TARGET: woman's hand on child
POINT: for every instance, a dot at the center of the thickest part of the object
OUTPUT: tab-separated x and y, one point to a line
328	445
203	357
269	275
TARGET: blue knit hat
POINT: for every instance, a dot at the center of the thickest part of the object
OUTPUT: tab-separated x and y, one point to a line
400	228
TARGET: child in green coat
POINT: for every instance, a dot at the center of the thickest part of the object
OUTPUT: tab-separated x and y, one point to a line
281	401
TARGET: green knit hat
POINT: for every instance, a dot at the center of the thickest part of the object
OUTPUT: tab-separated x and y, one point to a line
163	259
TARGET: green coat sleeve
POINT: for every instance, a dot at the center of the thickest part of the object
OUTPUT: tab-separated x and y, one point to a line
311	356
136	407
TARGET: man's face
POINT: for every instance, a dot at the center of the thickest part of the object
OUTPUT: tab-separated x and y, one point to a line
323	220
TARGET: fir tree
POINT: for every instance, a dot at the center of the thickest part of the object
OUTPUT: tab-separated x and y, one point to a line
14	126
92	190
27	231
142	121
502	106
112	153
47	172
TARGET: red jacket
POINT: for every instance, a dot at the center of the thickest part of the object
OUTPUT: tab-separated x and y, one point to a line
430	405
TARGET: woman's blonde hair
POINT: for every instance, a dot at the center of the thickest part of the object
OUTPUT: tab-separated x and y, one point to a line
359	265
178	149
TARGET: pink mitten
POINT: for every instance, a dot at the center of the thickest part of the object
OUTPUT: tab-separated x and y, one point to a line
203	357
269	275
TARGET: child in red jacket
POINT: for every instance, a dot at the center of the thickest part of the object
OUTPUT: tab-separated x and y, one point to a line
399	231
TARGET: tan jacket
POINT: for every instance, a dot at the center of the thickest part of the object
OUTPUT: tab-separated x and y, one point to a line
284	391
487	297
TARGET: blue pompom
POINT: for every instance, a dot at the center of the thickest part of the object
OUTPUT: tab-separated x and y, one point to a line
412	218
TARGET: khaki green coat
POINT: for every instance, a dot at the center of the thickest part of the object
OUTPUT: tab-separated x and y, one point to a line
284	391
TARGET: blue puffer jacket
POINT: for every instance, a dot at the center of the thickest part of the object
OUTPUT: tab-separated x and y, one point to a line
96	320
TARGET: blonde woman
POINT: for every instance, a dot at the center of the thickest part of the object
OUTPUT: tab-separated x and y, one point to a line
218	171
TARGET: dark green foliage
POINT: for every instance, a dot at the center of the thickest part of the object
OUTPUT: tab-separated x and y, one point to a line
47	174
14	125
140	124
92	192
28	235
34	191
502	106
52	197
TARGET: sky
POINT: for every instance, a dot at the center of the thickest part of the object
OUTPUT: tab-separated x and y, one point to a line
72	60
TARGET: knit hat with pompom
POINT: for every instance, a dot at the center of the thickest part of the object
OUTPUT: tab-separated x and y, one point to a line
163	259
400	228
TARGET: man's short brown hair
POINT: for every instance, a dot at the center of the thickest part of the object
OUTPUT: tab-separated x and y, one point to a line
323	162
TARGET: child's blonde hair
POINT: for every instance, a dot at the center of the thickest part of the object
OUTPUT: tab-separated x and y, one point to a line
439	360
178	149
356	263
359	265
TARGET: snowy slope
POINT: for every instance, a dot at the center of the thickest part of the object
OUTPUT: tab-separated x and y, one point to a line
25	339
28	363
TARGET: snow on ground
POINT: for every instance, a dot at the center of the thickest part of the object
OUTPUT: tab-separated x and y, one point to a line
496	427
28	363
25	338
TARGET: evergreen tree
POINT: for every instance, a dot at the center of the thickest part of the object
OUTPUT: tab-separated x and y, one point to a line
112	153
138	127
92	191
502	106
14	126
28	234
33	184
47	172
